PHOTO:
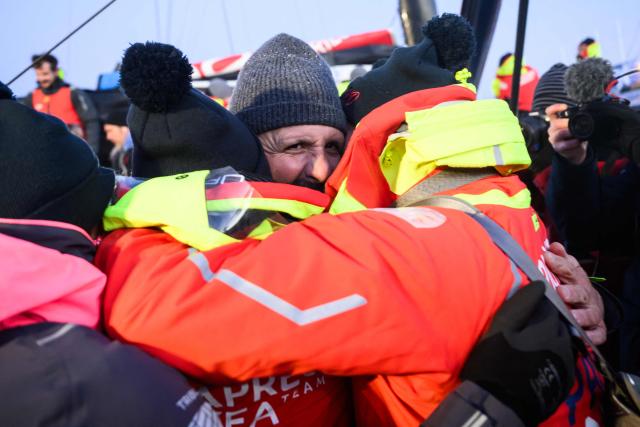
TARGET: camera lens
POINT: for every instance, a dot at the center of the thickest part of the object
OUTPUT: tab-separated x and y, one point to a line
582	125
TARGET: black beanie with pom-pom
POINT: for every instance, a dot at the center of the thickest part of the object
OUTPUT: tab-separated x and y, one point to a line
448	45
174	127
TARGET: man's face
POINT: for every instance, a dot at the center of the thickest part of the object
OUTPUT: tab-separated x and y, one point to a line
303	155
116	134
45	76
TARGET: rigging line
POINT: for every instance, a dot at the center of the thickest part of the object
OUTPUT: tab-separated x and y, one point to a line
227	27
61	41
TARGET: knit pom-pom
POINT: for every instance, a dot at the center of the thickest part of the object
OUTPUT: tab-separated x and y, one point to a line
155	76
454	39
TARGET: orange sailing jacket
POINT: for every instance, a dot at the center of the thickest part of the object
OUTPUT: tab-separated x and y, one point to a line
379	292
157	297
396	297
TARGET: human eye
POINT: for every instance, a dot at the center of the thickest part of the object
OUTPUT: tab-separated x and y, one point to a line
334	147
295	146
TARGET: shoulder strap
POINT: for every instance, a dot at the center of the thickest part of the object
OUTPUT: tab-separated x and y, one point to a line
514	251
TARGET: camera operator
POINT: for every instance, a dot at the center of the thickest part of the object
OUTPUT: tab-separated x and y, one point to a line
550	90
595	212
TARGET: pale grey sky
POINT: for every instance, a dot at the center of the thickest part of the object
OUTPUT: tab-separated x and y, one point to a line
199	28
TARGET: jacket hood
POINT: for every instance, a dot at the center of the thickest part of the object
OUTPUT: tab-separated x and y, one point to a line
403	141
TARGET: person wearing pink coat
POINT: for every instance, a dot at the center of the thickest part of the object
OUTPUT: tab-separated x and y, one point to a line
56	368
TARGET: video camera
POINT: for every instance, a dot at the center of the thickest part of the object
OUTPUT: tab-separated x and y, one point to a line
594	121
599	118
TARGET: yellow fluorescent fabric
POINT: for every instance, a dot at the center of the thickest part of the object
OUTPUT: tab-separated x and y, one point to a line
536	221
293	208
342	86
176	204
594	50
495	86
520	200
507	67
464	135
345	202
463	75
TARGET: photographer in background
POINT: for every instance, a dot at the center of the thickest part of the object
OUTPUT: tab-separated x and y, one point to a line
595	212
549	90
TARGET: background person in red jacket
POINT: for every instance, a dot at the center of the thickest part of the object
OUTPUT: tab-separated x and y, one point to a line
56	97
588	48
502	84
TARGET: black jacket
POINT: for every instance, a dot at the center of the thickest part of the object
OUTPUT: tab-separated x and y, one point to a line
67	375
594	212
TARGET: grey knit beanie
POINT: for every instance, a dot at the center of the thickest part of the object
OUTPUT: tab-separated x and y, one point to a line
285	83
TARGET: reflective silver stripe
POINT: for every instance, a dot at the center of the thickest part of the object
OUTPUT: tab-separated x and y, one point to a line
517	281
285	309
57	334
273	302
497	154
476	420
203	265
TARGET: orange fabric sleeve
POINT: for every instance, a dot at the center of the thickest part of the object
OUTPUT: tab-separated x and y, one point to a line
362	293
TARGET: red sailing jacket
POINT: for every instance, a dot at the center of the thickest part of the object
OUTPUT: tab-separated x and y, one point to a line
528	82
57	104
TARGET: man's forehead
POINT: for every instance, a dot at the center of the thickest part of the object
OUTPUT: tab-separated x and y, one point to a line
44	66
312	132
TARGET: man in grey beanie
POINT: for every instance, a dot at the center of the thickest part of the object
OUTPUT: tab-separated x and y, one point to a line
287	96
